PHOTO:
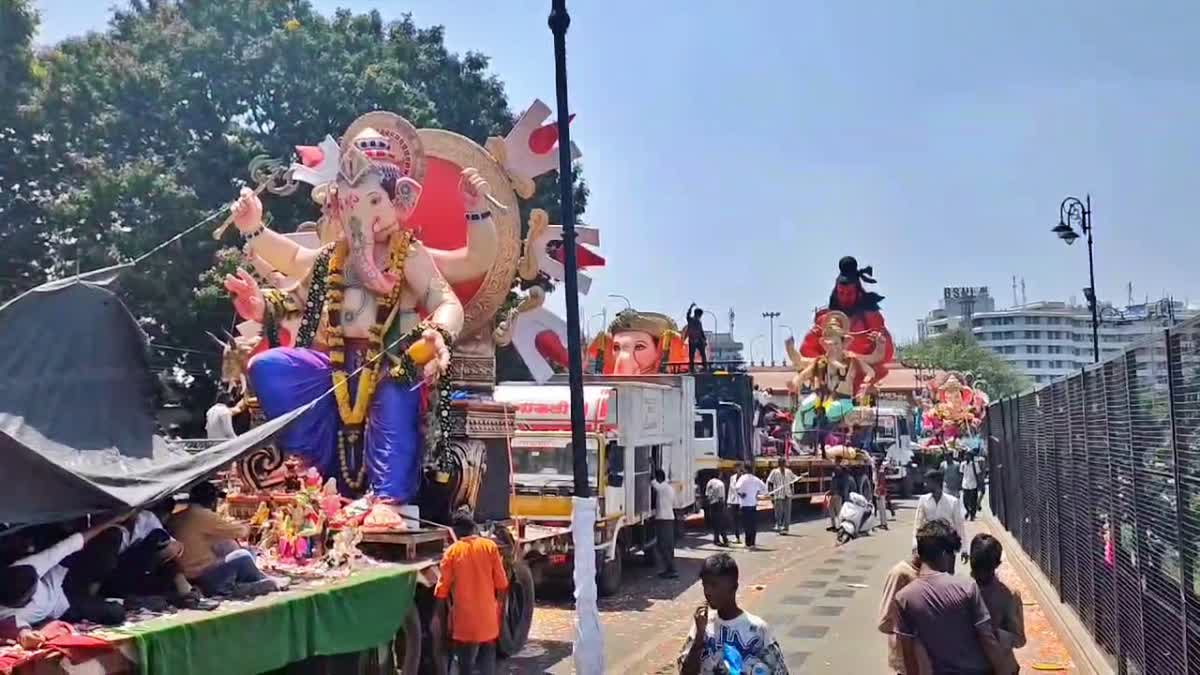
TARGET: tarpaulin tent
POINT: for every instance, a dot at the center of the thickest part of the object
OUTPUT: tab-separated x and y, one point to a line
77	426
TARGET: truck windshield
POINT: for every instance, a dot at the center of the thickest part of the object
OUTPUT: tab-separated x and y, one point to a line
541	458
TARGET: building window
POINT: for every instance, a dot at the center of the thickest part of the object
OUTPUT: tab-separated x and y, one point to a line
1033	320
1033	349
1010	350
1033	363
1033	335
1008	321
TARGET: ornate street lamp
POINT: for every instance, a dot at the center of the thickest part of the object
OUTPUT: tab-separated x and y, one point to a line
1074	213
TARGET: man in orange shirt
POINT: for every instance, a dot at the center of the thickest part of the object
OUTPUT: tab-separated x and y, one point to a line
474	581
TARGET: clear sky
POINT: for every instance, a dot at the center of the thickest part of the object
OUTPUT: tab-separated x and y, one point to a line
735	151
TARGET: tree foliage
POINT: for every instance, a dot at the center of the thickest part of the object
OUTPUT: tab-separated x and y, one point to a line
958	351
114	142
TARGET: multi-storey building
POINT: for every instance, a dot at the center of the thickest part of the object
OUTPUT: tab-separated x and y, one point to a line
1047	340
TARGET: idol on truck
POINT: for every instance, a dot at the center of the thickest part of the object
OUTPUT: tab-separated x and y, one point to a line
841	359
385	316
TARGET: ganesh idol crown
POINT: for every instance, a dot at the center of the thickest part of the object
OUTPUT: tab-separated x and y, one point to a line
392	298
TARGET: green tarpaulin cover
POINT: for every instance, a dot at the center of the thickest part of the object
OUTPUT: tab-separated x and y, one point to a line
358	613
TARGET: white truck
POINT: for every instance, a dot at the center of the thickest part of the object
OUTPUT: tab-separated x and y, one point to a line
633	427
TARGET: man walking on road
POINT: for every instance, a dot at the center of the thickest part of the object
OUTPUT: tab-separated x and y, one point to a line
749	489
474	581
951	469
901	575
733	505
1003	603
881	494
939	506
664	523
944	614
972	480
839	492
733	640
714	510
779	485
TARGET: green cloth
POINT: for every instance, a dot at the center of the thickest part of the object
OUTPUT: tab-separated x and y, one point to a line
358	613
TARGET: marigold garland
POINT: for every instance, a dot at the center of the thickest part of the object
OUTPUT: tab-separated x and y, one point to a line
356	414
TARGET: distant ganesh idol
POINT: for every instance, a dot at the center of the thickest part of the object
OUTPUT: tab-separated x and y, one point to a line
379	317
637	343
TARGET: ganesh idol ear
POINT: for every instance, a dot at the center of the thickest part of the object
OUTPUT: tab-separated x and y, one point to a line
407	195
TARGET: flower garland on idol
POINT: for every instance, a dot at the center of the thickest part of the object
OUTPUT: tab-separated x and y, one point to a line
354	412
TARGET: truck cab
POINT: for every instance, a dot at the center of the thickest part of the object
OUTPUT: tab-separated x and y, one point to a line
632	428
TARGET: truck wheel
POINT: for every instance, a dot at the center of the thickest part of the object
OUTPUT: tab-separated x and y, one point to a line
518	610
406	650
608	579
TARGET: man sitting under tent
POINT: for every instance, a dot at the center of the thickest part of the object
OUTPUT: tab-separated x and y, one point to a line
203	532
55	584
138	561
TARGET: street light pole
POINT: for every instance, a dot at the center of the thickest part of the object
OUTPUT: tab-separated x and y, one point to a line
559	21
771	316
1072	211
753	341
628	304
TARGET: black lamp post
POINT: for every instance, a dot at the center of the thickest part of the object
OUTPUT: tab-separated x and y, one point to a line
1074	212
559	21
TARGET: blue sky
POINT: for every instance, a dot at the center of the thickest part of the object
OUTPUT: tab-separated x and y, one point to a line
735	151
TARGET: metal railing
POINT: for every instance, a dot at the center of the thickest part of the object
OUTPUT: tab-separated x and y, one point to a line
1098	477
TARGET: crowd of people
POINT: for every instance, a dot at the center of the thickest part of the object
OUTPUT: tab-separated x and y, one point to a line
152	559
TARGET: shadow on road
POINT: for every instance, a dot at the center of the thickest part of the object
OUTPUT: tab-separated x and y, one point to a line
538	656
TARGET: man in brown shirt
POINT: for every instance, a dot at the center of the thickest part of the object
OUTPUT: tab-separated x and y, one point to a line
900	576
943	614
200	530
1003	603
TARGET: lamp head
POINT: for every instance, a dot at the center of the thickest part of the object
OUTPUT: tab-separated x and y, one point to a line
1065	232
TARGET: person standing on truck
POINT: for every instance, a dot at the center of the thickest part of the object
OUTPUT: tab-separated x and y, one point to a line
697	340
749	489
664	523
779	485
474	582
714	510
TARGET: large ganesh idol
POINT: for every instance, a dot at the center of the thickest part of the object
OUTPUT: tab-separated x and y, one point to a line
845	353
637	343
955	409
375	300
417	246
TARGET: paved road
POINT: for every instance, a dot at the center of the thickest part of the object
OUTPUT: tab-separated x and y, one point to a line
822	601
645	624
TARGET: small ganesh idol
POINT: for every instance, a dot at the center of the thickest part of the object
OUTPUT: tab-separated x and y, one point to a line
379	317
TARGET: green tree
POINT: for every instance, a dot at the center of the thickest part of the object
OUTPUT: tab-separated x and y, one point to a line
957	350
130	135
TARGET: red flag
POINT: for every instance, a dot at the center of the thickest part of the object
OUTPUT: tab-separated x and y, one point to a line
310	155
542	140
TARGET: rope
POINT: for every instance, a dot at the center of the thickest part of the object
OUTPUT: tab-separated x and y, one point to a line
208	219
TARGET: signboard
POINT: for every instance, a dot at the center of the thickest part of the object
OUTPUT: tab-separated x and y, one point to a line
964	292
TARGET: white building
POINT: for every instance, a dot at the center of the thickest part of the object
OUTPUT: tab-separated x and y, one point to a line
1047	340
